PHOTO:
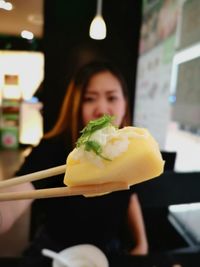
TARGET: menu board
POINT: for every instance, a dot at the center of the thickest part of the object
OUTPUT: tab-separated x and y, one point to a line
156	49
152	108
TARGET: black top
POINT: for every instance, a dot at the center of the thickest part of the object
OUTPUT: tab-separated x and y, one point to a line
77	219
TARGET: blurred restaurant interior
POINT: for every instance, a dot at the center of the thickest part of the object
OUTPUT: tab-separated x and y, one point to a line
156	44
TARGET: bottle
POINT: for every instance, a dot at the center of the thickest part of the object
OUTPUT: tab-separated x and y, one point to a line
11	101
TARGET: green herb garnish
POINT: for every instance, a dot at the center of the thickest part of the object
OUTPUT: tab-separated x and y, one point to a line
93	126
94	146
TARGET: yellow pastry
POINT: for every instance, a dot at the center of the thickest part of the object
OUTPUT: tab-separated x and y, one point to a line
107	154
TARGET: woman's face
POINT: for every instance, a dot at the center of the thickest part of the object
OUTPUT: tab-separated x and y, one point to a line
103	96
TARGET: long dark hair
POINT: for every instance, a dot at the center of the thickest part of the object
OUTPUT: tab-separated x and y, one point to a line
70	118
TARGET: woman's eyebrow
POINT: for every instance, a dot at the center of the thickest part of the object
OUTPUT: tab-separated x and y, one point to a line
109	91
91	93
112	91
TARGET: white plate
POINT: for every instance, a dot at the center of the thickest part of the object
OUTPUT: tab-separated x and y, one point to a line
84	255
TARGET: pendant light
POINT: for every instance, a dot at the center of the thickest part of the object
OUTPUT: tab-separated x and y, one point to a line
98	26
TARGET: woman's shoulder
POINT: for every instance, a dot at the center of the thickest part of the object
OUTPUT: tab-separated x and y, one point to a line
48	153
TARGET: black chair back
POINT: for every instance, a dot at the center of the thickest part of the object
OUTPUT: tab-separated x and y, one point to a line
170	188
170	160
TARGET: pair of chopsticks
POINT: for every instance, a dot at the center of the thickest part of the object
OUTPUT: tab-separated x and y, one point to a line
86	190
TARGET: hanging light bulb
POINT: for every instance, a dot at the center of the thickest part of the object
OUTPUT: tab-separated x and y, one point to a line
98	26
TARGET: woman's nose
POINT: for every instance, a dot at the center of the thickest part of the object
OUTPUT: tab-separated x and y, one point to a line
102	108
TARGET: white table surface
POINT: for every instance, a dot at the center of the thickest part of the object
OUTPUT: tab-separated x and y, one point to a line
186	219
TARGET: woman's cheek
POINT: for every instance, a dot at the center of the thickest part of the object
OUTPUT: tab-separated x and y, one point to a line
86	113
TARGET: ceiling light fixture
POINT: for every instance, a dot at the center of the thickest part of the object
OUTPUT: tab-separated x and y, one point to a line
98	26
27	35
6	5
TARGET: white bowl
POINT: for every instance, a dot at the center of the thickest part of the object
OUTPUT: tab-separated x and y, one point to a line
84	255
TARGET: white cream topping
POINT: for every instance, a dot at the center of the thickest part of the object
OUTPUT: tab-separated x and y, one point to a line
113	142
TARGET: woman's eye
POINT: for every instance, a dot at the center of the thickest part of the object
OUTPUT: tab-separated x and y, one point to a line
112	98
88	99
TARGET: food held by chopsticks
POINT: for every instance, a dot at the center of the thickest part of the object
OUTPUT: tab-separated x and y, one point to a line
105	159
106	154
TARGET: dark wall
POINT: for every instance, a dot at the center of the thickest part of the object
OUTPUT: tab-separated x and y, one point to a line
9	42
67	44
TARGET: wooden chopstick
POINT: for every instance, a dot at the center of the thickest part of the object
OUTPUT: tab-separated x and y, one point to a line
33	176
86	190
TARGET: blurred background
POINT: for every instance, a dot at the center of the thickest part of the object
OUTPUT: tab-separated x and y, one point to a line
155	43
60	43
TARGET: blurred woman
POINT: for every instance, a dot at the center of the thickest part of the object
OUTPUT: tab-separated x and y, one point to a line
98	88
